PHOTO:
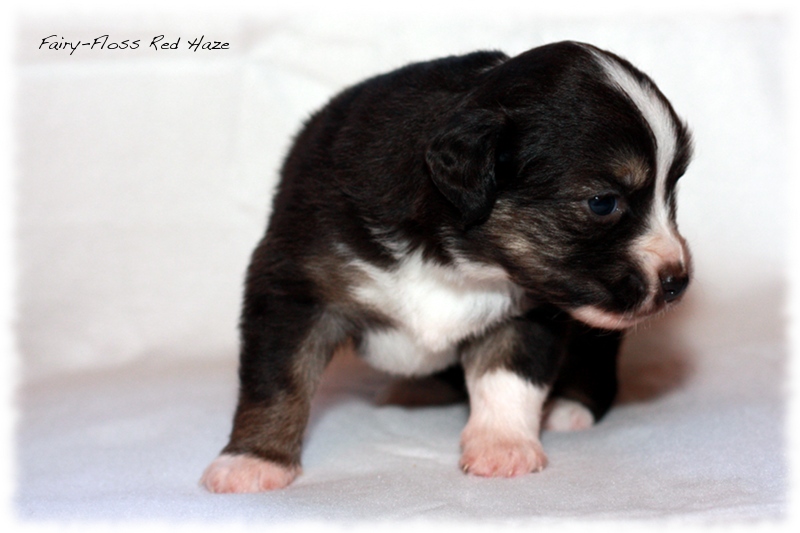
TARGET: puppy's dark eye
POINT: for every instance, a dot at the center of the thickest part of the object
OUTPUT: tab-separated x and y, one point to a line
604	204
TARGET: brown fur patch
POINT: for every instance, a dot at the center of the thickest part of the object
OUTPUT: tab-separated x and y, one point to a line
273	429
632	171
493	350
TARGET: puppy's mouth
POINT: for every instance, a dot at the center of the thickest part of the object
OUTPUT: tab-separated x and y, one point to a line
669	293
602	319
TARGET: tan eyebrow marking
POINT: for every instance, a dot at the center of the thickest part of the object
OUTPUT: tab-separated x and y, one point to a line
632	171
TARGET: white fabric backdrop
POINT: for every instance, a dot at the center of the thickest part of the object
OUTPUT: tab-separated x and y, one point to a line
143	182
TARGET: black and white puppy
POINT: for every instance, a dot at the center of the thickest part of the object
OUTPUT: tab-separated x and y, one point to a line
511	215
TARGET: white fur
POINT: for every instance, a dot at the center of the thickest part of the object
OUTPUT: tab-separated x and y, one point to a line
433	307
501	438
242	473
509	404
395	351
600	318
568	415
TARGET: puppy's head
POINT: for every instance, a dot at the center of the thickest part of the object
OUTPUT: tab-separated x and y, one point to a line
562	167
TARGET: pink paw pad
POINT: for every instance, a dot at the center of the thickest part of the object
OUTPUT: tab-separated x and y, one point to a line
242	473
568	415
502	458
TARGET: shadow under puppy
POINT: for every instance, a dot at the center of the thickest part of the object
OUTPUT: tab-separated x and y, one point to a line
511	215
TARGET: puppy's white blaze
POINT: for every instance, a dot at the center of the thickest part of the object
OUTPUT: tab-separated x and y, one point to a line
502	435
661	123
433	305
654	111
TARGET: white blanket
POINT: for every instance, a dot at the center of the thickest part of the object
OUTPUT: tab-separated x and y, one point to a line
143	183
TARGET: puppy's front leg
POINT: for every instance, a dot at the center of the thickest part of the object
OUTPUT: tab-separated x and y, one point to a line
286	344
587	380
508	373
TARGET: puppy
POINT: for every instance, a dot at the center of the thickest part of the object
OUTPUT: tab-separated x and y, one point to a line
509	215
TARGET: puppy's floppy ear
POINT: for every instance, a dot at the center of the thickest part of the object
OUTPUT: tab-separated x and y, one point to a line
461	159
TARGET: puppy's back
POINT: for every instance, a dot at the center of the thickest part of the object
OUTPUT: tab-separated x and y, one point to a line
369	140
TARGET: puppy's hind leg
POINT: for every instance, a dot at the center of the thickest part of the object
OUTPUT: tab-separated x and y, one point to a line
286	343
587	382
508	374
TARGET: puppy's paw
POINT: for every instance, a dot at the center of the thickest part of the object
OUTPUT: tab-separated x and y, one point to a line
242	473
488	456
568	415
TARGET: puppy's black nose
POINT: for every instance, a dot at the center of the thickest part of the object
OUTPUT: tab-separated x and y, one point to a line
673	284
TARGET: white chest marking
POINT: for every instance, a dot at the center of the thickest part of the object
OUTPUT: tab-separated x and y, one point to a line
433	308
395	351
